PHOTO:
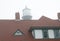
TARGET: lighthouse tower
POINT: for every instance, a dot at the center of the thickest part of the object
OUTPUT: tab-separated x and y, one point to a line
26	14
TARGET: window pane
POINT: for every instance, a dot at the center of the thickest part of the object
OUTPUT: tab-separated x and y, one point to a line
59	33
51	33
33	33
56	33
38	34
18	33
45	33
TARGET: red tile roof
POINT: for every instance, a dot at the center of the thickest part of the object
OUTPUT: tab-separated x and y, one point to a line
8	27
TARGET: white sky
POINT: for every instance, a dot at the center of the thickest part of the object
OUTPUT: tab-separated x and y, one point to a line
48	8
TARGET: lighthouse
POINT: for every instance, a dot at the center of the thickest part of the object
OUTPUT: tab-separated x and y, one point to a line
26	14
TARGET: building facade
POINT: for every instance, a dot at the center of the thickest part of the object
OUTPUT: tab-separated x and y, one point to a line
44	29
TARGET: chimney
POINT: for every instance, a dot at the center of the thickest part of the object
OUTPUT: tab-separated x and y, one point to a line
17	16
59	16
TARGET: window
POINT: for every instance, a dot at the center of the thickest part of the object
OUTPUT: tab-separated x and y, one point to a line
56	33
45	33
51	33
37	34
18	33
33	33
59	33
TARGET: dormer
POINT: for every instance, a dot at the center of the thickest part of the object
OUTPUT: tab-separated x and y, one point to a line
45	32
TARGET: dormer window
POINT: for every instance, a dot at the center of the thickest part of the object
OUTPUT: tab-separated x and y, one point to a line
37	34
18	33
51	33
57	33
46	33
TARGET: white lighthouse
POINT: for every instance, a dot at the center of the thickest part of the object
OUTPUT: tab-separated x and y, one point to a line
26	14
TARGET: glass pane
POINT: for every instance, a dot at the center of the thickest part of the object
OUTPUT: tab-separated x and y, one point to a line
38	34
33	33
59	33
51	33
18	32
56	33
45	33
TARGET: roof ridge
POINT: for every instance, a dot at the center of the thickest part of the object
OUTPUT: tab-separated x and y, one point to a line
44	17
